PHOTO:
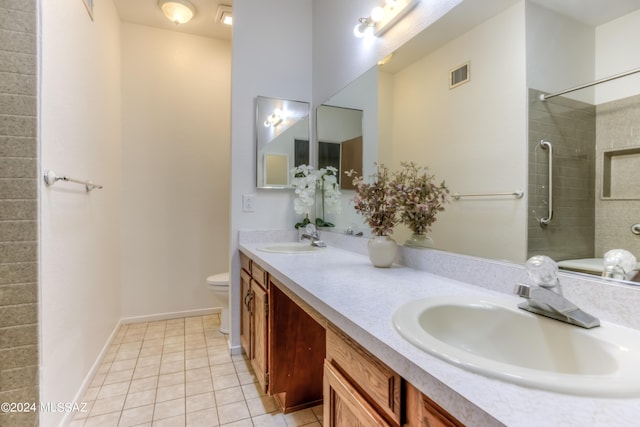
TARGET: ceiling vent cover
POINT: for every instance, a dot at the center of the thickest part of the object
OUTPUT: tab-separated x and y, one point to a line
460	75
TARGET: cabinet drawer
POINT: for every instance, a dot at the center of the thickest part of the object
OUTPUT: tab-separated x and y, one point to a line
259	274
344	406
372	378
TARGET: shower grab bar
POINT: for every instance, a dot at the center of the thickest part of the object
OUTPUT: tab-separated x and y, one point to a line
518	194
547	220
544	97
51	178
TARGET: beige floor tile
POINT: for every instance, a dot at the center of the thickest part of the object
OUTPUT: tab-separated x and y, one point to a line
232	412
242	365
172	348
91	394
149	361
199	402
262	405
97	380
173	331
269	420
111	390
218	358
167	367
143	384
131	346
146	371
198	374
177	421
300	418
199	386
199	362
195	353
140	398
105	406
204	418
170	392
123	365
136	416
118	376
241	423
222	369
251	391
105	420
126	354
225	381
170	379
229	395
169	409
247	377
318	411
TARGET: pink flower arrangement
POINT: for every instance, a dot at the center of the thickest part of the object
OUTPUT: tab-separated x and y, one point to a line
376	201
408	196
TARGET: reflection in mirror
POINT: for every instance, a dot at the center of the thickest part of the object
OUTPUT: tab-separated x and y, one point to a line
474	136
340	140
282	140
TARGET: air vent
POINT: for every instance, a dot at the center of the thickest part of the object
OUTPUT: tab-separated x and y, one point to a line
459	75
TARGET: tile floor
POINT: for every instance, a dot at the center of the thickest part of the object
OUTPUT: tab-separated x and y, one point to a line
179	373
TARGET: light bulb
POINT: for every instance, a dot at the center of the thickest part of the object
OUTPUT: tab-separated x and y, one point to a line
360	29
377	14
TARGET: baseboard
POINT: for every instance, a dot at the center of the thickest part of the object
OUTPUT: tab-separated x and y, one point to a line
171	315
69	415
235	350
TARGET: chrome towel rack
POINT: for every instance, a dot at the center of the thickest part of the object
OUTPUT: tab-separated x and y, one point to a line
51	178
517	194
547	220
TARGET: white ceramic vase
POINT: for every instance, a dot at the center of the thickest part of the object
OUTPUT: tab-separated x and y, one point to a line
382	251
419	241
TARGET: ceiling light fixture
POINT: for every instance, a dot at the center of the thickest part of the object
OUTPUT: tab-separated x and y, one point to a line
177	11
274	118
383	17
224	14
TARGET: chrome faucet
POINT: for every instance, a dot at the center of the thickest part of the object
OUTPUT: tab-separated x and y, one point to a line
545	297
312	234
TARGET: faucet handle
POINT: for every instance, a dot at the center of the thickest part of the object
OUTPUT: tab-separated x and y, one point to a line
543	271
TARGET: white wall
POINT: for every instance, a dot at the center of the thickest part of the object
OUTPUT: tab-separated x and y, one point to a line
271	57
617	52
560	52
175	169
464	134
79	232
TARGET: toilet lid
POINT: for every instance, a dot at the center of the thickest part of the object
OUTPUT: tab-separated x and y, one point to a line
221	279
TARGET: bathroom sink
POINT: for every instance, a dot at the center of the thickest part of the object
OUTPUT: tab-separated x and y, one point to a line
290	248
495	338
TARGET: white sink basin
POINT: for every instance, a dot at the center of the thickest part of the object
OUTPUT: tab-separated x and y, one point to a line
495	338
290	248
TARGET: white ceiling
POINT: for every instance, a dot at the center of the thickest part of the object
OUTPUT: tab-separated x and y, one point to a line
147	12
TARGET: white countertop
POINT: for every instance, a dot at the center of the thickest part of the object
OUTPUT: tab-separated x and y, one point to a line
360	299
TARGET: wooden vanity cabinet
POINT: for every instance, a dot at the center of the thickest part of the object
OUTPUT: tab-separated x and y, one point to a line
285	344
254	330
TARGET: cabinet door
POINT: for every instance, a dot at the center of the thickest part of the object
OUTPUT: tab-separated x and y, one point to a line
245	312
344	406
260	333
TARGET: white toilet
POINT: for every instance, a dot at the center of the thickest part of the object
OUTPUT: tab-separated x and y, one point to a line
219	284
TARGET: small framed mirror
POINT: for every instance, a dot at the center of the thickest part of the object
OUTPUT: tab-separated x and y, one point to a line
282	140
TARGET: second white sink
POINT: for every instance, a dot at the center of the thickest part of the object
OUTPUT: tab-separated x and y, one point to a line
289	248
495	338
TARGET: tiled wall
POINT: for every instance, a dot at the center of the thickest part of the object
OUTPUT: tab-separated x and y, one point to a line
618	124
18	209
571	127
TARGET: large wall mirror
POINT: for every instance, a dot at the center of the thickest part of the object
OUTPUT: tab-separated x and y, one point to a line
483	136
282	140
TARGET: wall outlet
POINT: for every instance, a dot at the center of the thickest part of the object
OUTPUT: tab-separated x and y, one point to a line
248	202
